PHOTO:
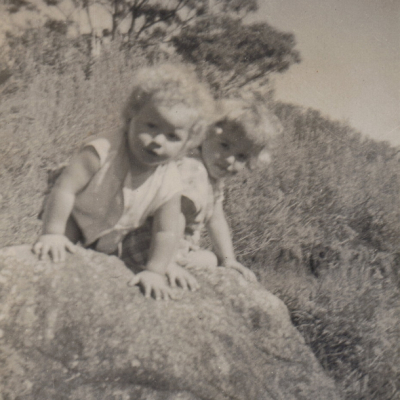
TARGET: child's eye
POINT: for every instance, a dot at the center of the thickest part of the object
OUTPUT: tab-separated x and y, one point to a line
151	125
172	136
242	157
224	145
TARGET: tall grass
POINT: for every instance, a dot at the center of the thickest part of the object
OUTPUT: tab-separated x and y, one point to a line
42	124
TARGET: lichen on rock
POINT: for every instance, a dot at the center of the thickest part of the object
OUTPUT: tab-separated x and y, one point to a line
76	331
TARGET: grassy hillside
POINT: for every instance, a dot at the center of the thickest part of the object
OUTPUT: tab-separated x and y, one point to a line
320	225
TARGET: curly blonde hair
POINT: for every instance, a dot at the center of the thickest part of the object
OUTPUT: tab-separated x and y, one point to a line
260	125
169	85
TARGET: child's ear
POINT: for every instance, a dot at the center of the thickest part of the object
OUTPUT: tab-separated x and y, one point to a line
264	157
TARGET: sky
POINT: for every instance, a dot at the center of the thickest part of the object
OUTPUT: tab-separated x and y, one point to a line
350	67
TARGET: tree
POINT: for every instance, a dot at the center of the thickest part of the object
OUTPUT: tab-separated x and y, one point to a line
211	34
233	53
139	19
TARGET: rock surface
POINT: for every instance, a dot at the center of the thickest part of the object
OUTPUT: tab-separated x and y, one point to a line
76	331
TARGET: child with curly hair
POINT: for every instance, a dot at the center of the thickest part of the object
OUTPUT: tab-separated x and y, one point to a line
116	182
240	138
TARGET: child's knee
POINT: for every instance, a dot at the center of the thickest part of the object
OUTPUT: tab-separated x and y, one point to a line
202	259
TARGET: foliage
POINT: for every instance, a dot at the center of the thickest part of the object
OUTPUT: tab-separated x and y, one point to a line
36	49
48	49
227	52
144	19
232	54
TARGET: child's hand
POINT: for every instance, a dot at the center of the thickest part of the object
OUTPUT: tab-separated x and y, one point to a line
247	274
152	283
178	276
55	245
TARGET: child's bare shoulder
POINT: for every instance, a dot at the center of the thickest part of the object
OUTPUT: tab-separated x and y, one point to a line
88	159
83	166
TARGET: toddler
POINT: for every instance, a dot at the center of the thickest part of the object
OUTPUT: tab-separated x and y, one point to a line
239	139
116	182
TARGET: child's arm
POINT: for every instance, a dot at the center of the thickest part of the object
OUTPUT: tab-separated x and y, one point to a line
163	248
178	276
221	240
60	204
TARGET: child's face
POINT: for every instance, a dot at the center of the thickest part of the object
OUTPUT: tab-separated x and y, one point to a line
226	150
158	133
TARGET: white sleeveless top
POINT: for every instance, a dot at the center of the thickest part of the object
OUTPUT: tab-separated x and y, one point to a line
140	202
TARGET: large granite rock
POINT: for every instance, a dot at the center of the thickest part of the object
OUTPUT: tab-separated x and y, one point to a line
76	331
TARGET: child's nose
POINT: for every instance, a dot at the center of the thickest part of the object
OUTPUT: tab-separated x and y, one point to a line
159	139
231	164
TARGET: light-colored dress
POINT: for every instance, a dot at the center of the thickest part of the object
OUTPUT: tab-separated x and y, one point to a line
140	199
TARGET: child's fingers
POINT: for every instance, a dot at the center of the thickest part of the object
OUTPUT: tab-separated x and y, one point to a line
166	294
248	274
175	295
171	280
37	247
58	253
193	284
252	277
61	254
169	294
155	294
147	290
54	252
70	247
134	281
45	251
160	293
182	282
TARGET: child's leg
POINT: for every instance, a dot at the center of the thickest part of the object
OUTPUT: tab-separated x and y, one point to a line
202	259
197	258
135	247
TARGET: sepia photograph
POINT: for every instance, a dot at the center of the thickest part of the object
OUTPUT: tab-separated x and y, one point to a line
199	200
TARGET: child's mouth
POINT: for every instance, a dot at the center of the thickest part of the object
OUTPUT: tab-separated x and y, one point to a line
151	152
221	168
221	171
